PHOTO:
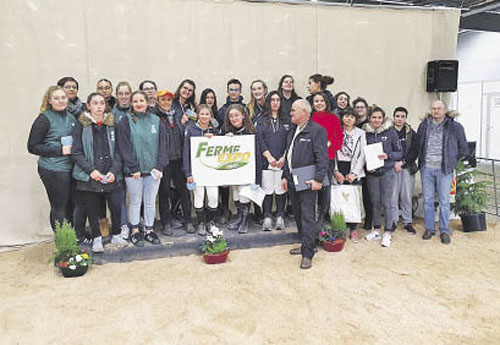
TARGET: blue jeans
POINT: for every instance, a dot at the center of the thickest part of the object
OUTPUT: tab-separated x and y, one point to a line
432	179
145	190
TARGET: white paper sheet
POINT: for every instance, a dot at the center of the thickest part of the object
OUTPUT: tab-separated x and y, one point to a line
372	152
257	195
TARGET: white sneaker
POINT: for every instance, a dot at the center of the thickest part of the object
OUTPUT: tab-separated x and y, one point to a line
280	223
118	240
373	236
267	225
386	240
125	232
97	245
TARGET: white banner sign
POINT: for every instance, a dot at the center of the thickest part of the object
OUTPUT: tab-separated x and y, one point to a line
223	160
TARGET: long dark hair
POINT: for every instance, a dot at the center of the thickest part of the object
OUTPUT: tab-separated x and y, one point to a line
190	100
247	123
280	87
203	99
267	113
323	80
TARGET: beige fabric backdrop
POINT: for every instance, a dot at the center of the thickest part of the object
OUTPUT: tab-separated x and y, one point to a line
377	53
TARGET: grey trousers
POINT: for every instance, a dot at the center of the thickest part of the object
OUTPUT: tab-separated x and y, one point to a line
382	195
403	194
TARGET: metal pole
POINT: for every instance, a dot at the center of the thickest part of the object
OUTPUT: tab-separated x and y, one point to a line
494	186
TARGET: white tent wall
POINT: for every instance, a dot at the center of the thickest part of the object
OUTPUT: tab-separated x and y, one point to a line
380	54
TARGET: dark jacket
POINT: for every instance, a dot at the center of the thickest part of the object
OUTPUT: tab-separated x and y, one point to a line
221	114
454	143
258	161
286	104
94	149
180	110
310	148
272	137
386	135
405	143
192	131
125	145
331	99
175	132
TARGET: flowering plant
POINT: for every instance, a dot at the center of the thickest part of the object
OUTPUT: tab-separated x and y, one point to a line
325	235
67	253
215	243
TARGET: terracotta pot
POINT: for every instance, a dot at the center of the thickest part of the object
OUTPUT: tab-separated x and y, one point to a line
216	258
69	273
335	246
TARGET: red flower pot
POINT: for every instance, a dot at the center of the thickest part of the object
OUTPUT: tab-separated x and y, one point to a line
216	258
335	246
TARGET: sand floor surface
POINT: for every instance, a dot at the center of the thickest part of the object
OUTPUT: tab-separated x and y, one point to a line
416	292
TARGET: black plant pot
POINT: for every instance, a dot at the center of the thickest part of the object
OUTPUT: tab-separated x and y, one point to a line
69	273
473	222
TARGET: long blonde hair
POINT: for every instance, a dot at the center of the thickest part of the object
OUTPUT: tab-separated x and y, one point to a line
46	97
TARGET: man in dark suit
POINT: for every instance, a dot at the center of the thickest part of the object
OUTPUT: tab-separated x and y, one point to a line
306	146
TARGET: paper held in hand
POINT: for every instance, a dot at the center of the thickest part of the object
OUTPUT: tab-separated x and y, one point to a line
257	195
372	152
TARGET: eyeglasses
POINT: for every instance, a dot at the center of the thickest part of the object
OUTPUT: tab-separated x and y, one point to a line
234	90
104	88
359	106
188	90
69	87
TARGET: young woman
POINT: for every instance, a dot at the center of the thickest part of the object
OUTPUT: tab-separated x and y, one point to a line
203	127
258	92
173	171
98	167
238	123
288	95
343	102
142	144
50	139
105	88
381	182
75	105
319	83
184	102
273	127
361	110
322	115
150	88
208	97
121	108
350	162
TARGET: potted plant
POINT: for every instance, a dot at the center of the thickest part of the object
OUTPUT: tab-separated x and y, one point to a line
67	256
333	240
215	247
471	197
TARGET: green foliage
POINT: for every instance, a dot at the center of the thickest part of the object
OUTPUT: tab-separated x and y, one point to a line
215	243
472	195
338	225
66	243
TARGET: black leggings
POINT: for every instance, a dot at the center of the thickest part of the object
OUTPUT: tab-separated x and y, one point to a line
92	205
58	187
173	172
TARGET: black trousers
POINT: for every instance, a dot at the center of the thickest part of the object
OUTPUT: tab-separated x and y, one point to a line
173	172
303	205
92	205
367	204
79	215
58	187
324	194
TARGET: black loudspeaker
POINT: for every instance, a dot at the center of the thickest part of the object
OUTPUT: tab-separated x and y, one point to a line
442	76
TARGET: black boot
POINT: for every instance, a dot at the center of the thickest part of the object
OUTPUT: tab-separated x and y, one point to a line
257	214
235	223
243	226
210	216
200	216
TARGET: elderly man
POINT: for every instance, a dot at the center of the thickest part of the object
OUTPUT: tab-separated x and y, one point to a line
306	147
439	144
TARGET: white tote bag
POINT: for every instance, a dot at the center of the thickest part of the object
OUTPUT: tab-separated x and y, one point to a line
348	200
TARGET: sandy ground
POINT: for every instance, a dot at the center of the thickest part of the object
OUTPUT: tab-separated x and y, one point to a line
415	292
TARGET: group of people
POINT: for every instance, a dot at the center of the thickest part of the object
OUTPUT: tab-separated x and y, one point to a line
91	155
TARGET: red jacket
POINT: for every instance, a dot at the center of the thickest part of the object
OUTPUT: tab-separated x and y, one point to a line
331	123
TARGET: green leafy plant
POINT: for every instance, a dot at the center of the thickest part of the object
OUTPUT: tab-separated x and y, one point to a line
67	253
471	194
215	243
338	225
